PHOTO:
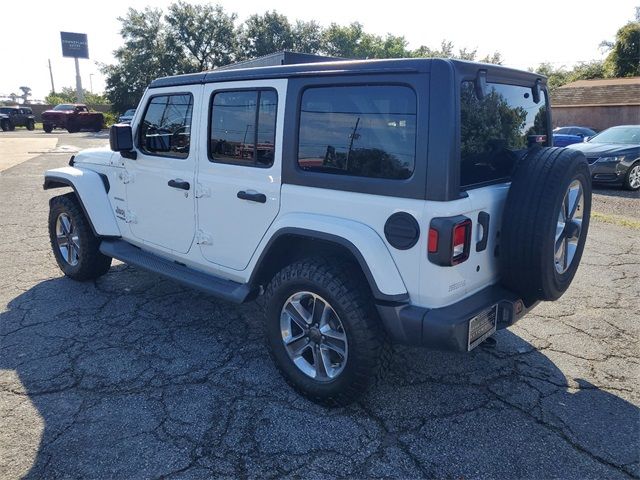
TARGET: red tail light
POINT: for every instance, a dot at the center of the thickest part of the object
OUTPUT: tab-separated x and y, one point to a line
449	240
433	240
461	240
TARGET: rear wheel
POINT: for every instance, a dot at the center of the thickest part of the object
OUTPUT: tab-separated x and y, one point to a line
74	245
323	331
31	125
632	179
545	223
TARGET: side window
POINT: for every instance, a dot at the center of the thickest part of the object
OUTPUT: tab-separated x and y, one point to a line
366	131
243	127
166	127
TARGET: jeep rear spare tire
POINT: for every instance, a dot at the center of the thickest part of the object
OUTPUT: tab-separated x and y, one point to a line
545	223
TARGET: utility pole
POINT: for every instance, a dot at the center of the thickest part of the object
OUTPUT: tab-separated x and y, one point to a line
53	88
79	92
91	82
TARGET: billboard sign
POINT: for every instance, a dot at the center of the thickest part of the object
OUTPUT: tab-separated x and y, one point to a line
74	45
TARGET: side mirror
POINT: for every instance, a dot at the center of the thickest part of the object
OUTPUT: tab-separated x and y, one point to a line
121	140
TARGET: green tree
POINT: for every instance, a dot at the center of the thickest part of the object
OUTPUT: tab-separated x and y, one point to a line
447	50
68	95
26	93
149	52
264	34
307	37
624	58
351	41
205	34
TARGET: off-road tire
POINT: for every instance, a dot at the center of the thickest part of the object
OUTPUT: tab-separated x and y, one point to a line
4	125
627	182
91	263
47	127
529	222
12	127
342	285
31	125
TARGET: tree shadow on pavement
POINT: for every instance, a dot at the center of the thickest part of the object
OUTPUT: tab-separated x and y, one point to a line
135	377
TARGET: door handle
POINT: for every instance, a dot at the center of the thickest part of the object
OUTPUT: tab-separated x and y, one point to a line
483	219
179	184
253	197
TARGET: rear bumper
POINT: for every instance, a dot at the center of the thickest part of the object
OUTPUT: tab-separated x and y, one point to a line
447	328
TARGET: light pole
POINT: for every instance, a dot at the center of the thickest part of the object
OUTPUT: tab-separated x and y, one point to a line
91	82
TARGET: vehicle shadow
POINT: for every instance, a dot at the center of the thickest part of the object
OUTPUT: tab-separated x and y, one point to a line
135	377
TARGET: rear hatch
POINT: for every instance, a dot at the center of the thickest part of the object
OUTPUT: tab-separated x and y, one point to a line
497	126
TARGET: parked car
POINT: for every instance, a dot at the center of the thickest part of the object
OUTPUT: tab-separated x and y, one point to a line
563	136
127	116
364	201
614	156
17	116
73	117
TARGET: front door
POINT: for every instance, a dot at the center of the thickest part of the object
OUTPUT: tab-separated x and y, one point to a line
239	168
160	182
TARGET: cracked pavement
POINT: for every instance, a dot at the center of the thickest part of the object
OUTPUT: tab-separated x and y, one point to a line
134	376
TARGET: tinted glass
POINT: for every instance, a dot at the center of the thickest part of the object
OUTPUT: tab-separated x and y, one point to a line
63	107
367	131
166	127
497	129
6	111
562	131
243	126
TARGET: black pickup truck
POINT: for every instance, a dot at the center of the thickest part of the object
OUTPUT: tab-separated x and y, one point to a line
12	117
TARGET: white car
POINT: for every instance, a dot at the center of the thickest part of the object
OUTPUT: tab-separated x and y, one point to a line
365	202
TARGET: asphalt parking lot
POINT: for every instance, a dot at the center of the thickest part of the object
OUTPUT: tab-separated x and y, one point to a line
134	376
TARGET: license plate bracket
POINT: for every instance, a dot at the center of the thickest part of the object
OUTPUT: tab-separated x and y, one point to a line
482	326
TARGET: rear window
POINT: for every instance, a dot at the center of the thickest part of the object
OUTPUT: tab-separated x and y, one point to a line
359	130
496	130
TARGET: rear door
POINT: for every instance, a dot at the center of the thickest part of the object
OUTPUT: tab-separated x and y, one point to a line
494	136
239	168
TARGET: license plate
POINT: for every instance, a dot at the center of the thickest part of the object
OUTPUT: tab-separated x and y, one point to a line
482	326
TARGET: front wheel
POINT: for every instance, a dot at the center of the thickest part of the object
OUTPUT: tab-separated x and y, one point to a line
632	179
47	127
74	245
4	125
323	330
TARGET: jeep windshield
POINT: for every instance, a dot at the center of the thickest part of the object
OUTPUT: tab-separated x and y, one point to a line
497	129
6	111
64	107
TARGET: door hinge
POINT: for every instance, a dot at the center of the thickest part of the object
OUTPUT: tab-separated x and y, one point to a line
204	238
126	177
130	217
202	191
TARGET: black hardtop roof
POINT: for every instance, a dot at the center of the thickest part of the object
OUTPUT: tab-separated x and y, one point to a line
342	67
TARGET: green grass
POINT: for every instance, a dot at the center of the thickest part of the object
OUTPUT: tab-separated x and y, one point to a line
616	220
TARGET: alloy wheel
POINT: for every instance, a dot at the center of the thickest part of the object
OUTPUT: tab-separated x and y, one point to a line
634	177
569	227
68	239
313	336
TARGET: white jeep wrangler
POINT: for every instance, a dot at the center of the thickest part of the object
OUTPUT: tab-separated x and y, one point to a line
367	202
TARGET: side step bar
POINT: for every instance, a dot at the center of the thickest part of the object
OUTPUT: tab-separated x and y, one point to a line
219	287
